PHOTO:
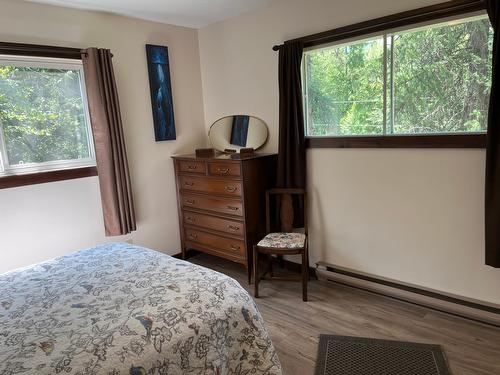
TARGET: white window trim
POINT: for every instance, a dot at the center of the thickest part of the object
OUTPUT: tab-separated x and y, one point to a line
29	168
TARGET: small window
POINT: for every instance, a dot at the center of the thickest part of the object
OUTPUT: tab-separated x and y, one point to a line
433	79
44	119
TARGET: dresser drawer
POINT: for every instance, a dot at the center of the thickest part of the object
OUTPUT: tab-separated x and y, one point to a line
225	206
215	223
210	186
225	244
199	167
224	169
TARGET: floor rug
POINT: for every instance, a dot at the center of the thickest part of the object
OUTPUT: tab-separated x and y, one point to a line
344	355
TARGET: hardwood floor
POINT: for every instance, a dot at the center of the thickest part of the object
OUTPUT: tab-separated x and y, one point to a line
294	326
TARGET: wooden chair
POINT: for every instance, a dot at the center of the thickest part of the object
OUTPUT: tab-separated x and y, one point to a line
286	242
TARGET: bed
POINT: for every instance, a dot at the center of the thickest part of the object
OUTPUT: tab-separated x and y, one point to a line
123	309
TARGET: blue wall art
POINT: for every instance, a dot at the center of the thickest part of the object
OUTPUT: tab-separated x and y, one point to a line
161	92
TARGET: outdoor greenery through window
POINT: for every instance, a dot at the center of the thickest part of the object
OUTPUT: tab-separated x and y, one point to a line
427	80
44	122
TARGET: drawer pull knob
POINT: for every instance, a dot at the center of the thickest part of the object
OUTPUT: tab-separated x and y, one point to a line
233	208
230	189
223	170
233	227
190	219
236	248
189	201
193	236
192	167
188	183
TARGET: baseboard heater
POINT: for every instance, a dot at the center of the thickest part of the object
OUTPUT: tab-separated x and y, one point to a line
457	305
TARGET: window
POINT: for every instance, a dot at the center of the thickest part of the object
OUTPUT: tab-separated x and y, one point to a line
429	80
44	120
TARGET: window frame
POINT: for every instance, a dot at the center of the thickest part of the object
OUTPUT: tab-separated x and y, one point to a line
377	27
57	170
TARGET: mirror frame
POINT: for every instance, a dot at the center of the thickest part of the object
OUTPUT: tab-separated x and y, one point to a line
223	117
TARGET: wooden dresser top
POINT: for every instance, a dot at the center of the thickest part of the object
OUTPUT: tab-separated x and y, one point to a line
228	157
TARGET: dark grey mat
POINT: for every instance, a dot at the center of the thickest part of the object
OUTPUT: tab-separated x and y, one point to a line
344	355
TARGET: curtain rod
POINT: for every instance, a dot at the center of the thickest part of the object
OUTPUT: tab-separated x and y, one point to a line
24	49
428	13
84	52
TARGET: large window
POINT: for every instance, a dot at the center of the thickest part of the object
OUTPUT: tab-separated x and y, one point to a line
44	121
433	79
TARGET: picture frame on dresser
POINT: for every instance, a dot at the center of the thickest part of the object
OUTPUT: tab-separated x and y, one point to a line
221	203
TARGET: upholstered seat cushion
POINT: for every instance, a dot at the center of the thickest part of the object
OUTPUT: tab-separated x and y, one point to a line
283	240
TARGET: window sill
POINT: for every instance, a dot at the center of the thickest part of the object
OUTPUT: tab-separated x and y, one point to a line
43	177
400	141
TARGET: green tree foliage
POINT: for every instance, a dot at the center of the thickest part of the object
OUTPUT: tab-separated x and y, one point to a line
438	81
42	114
345	89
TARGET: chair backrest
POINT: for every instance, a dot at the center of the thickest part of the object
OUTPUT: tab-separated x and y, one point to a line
289	203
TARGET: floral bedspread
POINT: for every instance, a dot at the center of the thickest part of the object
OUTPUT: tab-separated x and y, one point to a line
123	309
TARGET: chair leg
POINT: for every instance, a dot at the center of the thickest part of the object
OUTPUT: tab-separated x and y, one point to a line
256	271
307	256
249	273
269	269
281	261
305	274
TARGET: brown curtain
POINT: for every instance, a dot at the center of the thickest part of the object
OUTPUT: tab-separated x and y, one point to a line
492	193
111	156
291	150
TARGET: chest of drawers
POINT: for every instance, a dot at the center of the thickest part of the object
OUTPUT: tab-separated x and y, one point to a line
221	203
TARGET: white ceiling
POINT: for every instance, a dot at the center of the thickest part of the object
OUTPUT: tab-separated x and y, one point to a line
190	13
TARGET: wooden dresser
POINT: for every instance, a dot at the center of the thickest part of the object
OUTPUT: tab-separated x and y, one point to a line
222	203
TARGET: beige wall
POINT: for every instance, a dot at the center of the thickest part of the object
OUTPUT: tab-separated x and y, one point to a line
42	221
412	215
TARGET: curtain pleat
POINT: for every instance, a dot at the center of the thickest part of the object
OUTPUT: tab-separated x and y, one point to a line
291	149
492	191
111	155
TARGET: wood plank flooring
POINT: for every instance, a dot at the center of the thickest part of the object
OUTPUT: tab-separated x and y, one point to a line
294	326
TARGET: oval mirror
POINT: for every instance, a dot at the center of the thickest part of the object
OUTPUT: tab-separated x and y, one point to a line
238	131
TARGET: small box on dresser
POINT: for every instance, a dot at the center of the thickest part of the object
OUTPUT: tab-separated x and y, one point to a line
221	202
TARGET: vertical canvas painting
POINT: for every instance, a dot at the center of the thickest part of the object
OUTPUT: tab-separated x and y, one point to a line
161	92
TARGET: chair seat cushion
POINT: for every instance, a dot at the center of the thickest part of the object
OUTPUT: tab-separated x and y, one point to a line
283	240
